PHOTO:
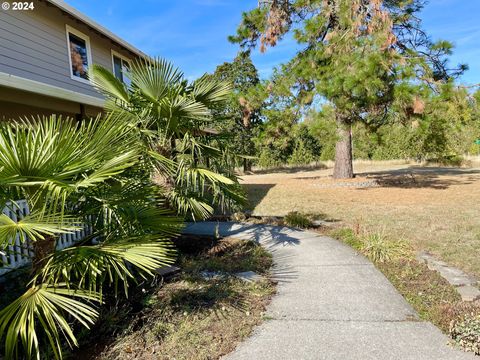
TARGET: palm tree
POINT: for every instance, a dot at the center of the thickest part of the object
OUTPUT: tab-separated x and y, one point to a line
74	175
174	119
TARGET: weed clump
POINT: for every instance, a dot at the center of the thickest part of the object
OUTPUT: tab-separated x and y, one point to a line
378	247
466	333
297	219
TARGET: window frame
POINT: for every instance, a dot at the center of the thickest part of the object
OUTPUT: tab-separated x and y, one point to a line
123	59
70	30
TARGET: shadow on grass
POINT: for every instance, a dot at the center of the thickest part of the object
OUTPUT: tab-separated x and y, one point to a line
256	193
289	169
412	177
423	177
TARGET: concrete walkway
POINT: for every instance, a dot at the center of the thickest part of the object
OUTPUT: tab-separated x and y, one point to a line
331	304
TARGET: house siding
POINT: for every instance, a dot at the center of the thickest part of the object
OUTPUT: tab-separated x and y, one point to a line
33	45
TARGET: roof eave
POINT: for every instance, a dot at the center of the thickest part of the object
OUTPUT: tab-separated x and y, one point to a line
93	24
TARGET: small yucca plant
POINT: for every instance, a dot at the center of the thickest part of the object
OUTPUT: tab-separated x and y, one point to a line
378	247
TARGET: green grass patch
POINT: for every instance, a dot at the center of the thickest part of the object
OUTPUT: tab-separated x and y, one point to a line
302	220
347	236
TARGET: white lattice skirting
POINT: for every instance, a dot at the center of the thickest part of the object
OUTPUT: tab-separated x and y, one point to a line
19	254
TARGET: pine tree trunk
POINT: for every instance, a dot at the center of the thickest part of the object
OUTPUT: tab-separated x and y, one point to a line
343	150
247	166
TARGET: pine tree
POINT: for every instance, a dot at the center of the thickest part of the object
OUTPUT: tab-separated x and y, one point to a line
358	55
244	106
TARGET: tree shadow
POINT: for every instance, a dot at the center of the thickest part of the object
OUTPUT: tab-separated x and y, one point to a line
256	193
412	177
314	177
275	239
289	169
415	177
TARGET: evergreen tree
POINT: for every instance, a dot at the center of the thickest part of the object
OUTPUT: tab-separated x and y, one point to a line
243	110
360	56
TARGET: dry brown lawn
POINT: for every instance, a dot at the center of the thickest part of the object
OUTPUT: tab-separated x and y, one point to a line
435	208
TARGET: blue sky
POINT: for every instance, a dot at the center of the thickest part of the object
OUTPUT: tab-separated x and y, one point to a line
193	33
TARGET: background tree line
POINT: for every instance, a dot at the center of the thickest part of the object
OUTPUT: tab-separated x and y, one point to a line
366	68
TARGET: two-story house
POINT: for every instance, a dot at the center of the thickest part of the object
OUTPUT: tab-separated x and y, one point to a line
45	52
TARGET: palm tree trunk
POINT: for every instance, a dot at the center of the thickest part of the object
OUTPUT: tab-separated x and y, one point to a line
41	250
343	150
173	148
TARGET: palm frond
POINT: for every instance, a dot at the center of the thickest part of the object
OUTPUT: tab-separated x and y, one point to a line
135	218
162	163
198	178
35	227
191	204
210	92
112	261
187	108
43	308
103	80
109	169
52	156
129	207
154	78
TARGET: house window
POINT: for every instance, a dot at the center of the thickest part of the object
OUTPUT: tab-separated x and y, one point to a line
80	54
121	66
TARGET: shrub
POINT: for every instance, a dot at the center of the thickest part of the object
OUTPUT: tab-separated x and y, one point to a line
379	248
301	155
270	159
466	333
306	147
448	160
297	219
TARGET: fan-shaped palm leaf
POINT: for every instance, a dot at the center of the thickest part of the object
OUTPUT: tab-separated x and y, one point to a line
113	260
155	78
43	309
190	204
35	226
108	84
54	156
211	92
